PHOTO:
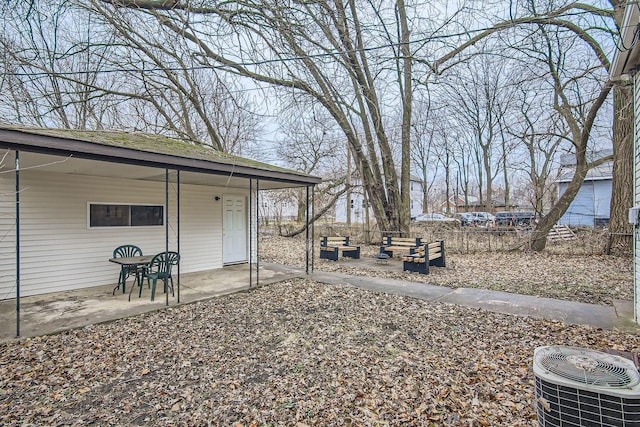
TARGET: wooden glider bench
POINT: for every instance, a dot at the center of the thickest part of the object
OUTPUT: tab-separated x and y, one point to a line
399	244
421	258
330	247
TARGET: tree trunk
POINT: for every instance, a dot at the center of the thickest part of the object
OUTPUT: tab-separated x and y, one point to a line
539	238
620	241
505	173
448	184
302	205
407	100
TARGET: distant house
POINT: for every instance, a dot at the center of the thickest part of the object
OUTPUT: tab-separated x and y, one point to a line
357	201
278	206
625	66
473	204
455	204
591	206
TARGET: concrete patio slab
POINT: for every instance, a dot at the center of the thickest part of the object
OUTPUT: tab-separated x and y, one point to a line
51	313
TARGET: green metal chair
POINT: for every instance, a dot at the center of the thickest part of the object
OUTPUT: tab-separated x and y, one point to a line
125	251
160	268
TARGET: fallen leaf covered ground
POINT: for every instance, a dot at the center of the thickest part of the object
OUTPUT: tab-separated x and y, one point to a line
294	353
593	279
297	353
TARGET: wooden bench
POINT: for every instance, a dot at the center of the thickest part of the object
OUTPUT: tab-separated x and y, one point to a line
399	244
330	248
420	259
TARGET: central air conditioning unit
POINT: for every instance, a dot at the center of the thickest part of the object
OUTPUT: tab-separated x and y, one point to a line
582	387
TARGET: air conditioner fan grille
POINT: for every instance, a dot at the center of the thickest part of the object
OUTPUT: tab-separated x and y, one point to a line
582	368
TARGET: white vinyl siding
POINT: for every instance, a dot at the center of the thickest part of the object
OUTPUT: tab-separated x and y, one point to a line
7	232
358	211
636	191
60	252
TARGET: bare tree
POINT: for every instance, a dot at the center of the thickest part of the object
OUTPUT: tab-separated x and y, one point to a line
80	67
358	60
542	137
579	119
175	94
574	24
423	148
462	155
480	100
313	145
51	67
445	154
620	237
321	50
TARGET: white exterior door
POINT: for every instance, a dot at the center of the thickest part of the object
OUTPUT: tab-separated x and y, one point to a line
234	229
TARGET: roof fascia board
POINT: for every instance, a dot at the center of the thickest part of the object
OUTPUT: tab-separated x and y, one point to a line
630	21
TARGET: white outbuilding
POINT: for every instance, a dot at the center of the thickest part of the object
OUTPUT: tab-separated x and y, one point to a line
70	197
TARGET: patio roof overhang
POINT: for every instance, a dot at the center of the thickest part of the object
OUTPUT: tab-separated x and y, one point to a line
66	151
146	157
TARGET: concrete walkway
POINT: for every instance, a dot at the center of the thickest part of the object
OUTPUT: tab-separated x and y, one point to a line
51	313
618	316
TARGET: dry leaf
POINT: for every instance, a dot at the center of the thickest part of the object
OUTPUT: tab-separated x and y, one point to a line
302	353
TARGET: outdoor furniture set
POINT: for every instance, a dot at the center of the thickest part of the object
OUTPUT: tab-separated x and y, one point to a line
150	267
418	259
330	248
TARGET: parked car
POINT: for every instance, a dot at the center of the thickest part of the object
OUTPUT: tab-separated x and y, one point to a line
435	216
466	219
514	219
484	219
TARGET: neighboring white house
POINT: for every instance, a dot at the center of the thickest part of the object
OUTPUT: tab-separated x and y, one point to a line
625	66
592	205
358	203
278	206
77	195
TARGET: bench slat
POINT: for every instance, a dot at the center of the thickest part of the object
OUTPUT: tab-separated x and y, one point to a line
346	248
395	240
340	247
399	248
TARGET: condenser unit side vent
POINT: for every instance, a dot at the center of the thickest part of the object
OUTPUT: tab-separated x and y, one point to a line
562	406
